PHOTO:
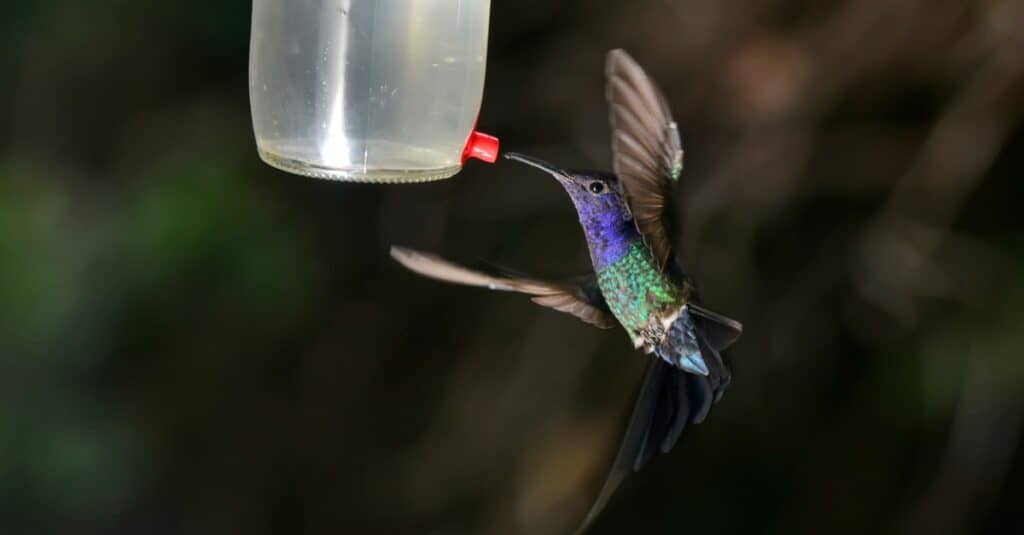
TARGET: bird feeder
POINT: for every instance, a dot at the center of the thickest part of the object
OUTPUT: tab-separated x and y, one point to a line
368	90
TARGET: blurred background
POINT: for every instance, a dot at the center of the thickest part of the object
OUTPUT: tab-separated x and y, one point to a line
193	342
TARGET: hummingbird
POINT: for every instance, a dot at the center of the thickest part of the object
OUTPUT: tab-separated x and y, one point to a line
638	282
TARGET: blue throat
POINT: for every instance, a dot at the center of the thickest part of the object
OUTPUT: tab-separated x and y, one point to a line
609	228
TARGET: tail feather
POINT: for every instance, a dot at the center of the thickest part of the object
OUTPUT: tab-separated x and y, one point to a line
717	373
701	397
638	433
668	419
720	374
682	417
669	400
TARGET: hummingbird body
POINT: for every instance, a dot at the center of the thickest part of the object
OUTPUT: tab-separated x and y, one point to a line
642	298
645	298
637	282
636	290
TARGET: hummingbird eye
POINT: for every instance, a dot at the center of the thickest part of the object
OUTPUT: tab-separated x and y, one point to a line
596	187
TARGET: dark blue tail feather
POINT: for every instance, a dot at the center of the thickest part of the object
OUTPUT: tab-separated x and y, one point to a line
669	400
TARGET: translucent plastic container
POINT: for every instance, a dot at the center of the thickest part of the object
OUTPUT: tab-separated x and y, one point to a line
368	90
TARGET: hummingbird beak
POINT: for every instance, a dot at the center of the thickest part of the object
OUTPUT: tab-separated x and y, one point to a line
556	172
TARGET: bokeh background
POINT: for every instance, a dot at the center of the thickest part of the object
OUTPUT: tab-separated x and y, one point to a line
192	342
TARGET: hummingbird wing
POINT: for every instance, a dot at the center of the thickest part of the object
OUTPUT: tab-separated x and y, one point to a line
579	297
720	331
647	154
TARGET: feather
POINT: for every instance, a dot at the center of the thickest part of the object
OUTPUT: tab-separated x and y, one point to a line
661	413
682	416
721	375
647	152
701	397
661	420
637	433
579	297
719	331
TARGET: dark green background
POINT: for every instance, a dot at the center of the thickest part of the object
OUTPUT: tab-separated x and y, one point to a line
192	342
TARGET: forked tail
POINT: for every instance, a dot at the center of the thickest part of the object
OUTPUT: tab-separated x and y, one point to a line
671	398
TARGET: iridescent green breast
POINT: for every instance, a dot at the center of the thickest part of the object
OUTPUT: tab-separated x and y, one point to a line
635	290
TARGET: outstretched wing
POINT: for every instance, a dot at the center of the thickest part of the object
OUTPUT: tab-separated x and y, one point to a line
647	154
579	297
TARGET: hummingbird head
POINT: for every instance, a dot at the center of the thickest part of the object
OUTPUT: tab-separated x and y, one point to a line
590	191
601	205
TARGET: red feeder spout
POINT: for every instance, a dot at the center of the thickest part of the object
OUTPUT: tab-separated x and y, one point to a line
482	147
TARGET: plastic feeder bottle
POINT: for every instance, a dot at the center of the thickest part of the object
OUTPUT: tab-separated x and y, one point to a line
369	90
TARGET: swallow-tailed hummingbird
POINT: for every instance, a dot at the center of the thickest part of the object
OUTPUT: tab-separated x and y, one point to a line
637	282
